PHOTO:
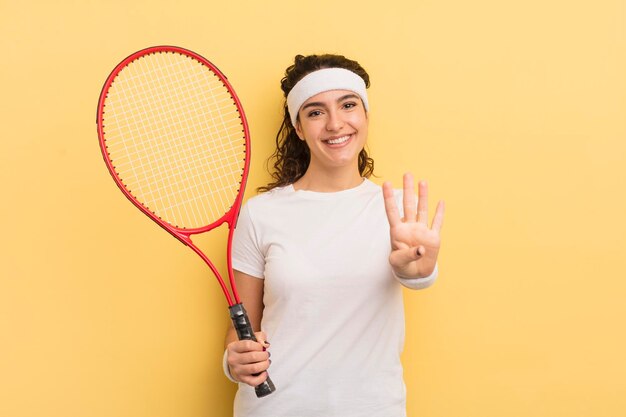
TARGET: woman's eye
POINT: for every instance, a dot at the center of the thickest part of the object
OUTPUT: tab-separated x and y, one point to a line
349	105
314	113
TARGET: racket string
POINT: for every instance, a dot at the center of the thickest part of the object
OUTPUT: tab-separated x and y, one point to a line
233	175
177	142
196	174
216	104
170	104
145	136
158	201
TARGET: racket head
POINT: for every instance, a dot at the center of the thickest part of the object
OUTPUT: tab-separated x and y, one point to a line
175	139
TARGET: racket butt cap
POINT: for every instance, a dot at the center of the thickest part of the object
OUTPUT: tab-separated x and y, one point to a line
265	388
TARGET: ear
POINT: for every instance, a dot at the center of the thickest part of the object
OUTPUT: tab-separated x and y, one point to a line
299	129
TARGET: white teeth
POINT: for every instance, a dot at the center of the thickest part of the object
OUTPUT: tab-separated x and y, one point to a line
338	140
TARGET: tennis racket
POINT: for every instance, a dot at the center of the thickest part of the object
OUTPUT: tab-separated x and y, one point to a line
175	139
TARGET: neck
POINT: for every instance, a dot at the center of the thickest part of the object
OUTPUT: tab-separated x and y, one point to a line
328	181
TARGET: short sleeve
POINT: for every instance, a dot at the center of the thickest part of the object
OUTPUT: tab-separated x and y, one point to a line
247	256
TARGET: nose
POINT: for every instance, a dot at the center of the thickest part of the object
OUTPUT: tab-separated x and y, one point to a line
334	121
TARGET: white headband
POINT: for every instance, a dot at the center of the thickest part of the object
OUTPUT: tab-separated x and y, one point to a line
324	80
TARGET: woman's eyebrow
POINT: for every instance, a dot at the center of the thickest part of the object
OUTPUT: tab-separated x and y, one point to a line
320	104
312	104
347	96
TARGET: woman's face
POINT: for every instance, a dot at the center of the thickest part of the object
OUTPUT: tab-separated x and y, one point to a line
334	125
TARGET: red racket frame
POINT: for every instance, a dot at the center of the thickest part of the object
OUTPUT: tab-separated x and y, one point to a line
182	234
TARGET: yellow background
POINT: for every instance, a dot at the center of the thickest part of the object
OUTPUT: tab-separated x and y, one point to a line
513	110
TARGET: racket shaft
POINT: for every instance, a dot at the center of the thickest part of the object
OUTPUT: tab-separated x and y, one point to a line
244	331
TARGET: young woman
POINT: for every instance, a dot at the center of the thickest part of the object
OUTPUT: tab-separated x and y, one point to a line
318	264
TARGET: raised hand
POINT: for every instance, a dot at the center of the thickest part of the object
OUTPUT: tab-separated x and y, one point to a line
414	245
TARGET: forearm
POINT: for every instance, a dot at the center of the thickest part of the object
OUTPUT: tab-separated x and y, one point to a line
231	336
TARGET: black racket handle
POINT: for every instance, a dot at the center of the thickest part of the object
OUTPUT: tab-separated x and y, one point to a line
244	331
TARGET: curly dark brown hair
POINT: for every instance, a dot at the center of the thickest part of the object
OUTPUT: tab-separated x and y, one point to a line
292	155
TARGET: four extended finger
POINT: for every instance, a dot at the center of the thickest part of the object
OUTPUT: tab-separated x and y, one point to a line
408	198
393	216
438	219
422	203
409	203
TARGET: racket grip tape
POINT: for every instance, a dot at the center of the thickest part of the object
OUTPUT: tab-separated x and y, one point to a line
244	331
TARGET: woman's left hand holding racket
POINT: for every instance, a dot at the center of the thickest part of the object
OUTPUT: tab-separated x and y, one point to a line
248	361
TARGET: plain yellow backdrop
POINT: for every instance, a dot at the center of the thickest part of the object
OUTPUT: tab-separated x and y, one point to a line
514	111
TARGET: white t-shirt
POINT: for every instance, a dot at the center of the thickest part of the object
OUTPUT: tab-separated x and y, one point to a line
333	309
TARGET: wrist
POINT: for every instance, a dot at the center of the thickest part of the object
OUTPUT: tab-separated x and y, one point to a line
417	283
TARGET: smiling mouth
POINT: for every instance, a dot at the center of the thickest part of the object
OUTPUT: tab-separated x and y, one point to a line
338	141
